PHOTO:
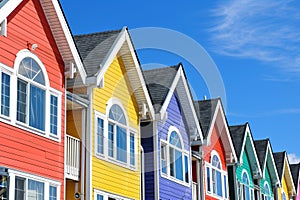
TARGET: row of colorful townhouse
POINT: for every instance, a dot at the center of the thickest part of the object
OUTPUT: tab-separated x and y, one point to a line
86	122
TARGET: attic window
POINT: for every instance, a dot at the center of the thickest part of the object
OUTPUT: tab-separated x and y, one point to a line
3	27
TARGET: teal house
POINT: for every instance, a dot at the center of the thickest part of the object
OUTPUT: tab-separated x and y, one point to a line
246	173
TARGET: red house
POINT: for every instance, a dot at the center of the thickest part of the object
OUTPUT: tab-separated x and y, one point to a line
211	158
36	47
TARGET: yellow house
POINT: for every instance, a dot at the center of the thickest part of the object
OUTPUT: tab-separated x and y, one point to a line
286	189
118	102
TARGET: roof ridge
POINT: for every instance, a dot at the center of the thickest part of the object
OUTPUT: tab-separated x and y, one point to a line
98	33
239	125
207	100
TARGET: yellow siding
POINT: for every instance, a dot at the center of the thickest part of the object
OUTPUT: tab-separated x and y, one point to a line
107	176
284	184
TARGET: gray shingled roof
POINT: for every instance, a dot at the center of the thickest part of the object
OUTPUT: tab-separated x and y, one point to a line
159	82
205	110
261	149
94	47
279	161
237	134
295	173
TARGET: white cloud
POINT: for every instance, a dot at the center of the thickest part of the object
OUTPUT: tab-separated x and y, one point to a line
293	158
265	30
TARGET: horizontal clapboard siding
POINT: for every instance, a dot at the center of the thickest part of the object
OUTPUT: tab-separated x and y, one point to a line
22	150
169	189
107	176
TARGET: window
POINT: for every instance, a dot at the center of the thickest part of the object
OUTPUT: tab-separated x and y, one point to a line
267	192
216	178
99	195
247	192
120	146
174	159
163	153
283	195
3	187
30	187
26	100
5	94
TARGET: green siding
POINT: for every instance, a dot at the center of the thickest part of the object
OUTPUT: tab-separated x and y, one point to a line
247	167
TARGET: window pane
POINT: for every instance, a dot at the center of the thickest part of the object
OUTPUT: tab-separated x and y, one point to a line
245	178
247	192
37	108
178	165
116	113
110	140
132	150
19	188
172	164
186	169
21	101
53	193
208	179
3	188
163	158
100	128
216	162
175	140
35	190
5	94
214	181
53	114
219	183
99	197
225	185
121	144
30	69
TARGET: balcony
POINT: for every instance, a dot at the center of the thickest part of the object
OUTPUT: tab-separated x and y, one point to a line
195	191
72	158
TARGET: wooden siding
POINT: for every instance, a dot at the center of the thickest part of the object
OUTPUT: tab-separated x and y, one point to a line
285	186
268	179
169	189
245	166
107	176
149	166
20	149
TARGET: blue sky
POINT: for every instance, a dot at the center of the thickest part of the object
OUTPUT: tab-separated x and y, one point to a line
255	46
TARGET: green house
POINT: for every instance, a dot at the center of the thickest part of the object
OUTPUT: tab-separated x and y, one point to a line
246	173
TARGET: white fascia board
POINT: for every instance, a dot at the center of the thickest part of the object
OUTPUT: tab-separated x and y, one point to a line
112	53
190	99
140	74
70	40
219	107
286	164
7	8
248	132
273	161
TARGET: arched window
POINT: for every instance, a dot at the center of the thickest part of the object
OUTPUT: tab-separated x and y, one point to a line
31	94
246	186
216	178
267	192
120	143
174	159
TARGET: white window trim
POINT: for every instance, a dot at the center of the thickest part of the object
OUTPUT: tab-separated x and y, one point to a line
223	173
129	130
106	195
3	26
12	119
184	153
242	183
270	190
8	71
47	183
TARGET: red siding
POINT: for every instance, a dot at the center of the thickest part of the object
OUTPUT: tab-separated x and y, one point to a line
22	150
217	145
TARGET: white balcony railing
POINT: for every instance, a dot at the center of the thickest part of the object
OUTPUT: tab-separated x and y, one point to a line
195	192
72	158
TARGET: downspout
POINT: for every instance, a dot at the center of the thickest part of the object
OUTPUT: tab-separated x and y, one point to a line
236	193
156	168
142	173
198	178
201	167
89	152
83	146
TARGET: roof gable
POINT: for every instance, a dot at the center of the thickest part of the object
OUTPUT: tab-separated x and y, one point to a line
243	142
162	84
295	170
266	160
210	114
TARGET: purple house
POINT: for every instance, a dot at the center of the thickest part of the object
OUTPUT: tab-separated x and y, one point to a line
166	139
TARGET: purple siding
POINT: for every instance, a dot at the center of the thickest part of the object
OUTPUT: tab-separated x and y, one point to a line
147	143
169	189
